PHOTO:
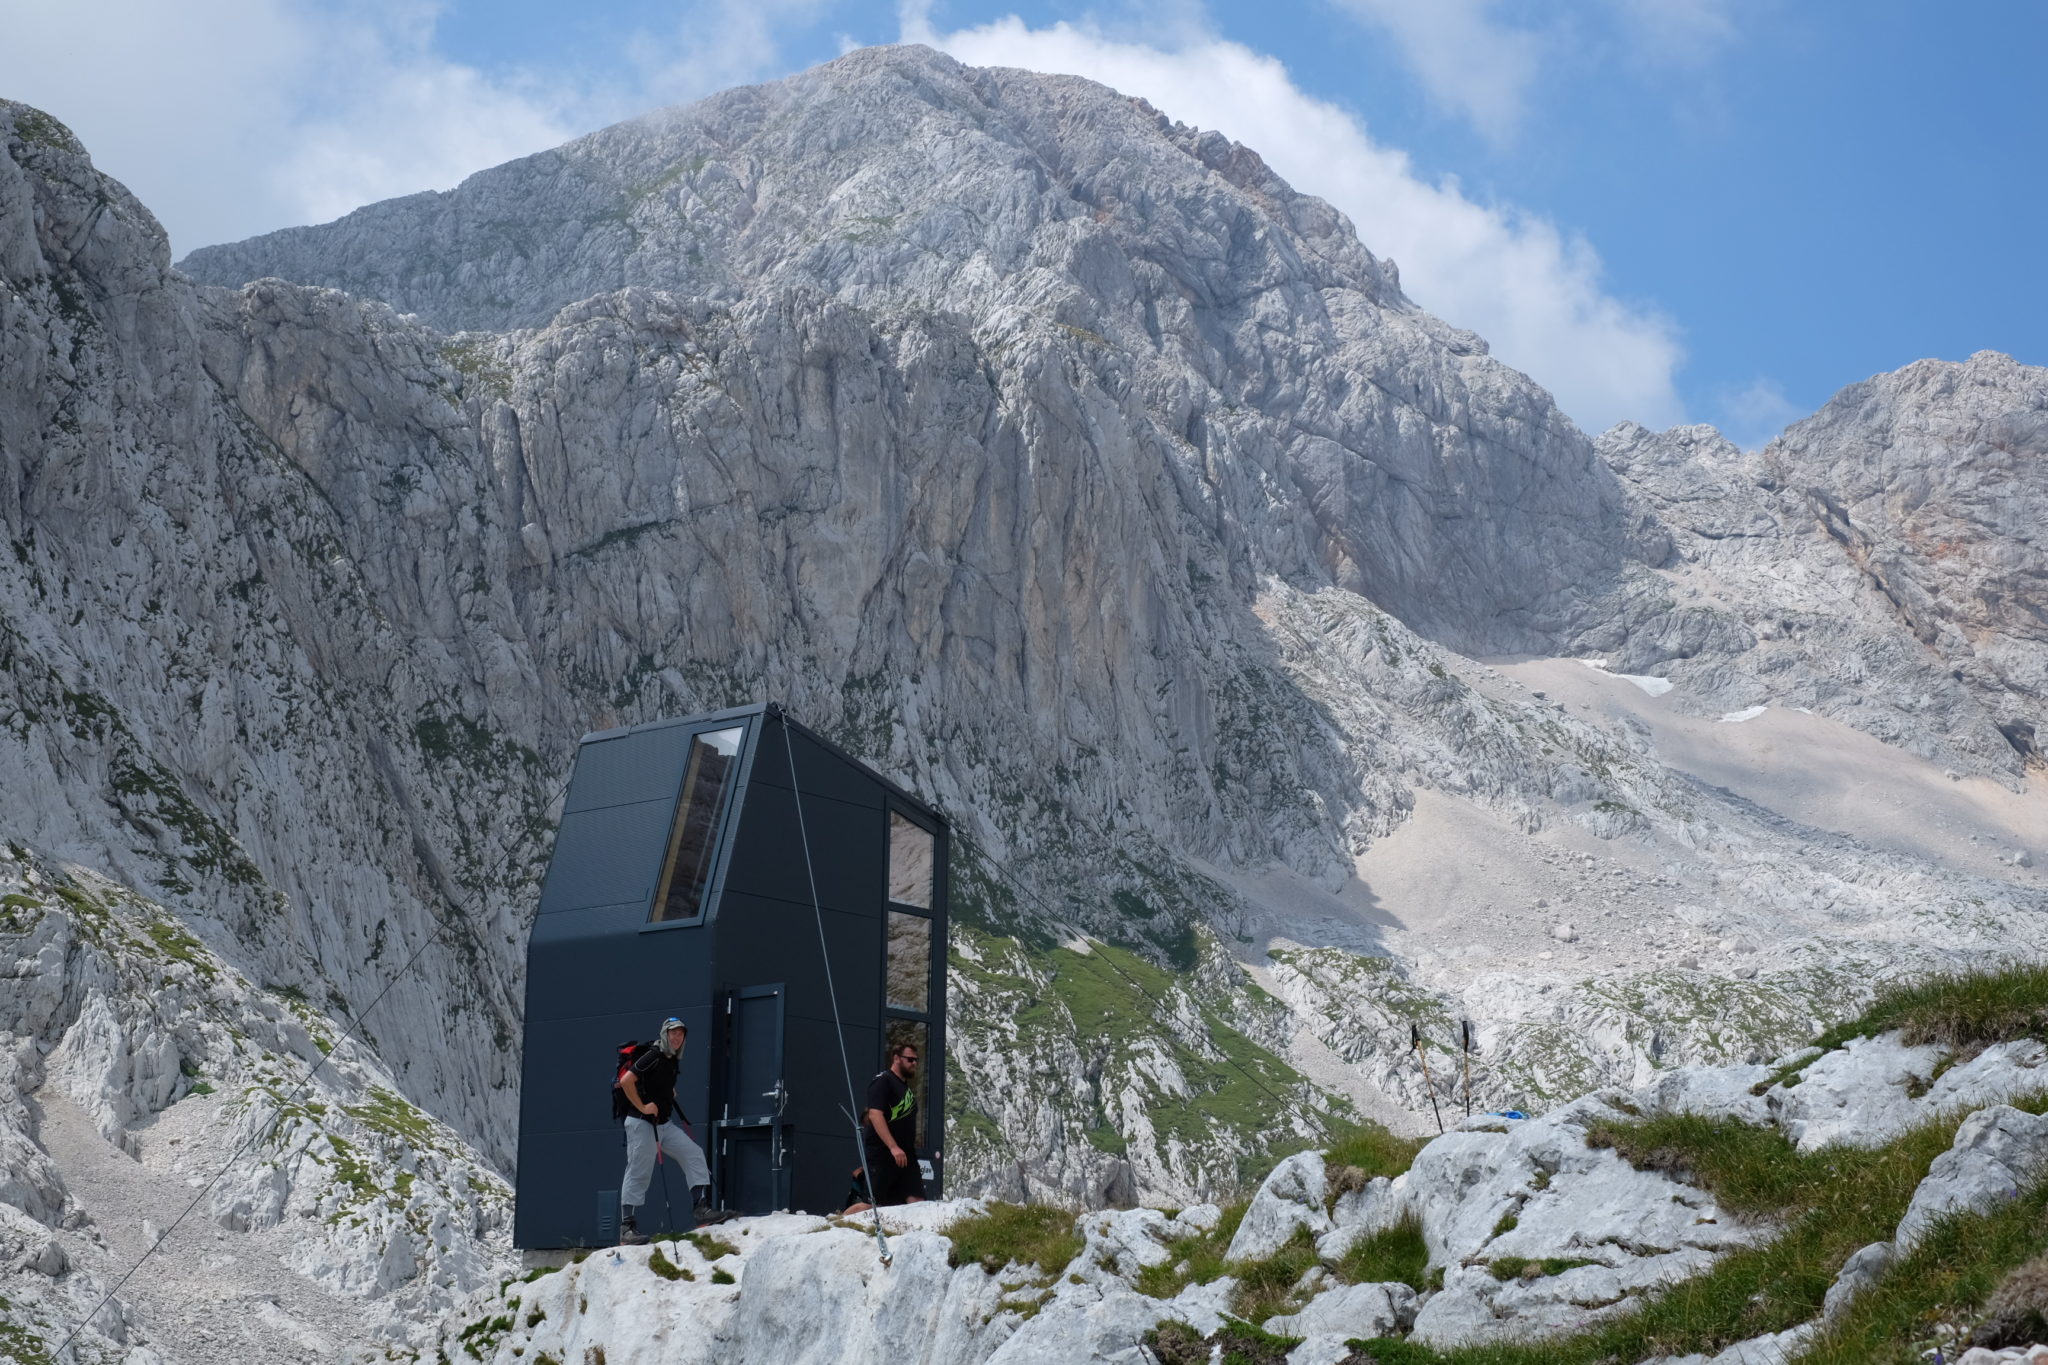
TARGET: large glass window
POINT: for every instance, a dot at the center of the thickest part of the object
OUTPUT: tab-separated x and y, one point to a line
910	863
707	791
910	962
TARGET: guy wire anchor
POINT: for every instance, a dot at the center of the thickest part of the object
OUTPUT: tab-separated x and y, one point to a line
874	1209
1415	1041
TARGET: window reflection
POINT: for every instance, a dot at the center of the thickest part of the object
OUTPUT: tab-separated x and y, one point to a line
707	789
910	863
910	961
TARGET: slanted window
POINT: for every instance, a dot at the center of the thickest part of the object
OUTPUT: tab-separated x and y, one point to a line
700	815
910	962
910	862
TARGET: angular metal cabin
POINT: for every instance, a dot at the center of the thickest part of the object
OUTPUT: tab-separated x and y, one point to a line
678	885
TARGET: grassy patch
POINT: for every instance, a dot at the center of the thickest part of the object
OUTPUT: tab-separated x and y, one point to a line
720	1275
1946	1280
1237	1343
709	1247
1027	1234
1363	1151
1392	1255
1830	1203
389	1114
1533	1268
1266	1287
1749	1169
1965	1013
1195	1260
667	1269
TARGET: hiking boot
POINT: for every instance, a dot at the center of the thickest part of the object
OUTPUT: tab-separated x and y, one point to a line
630	1236
704	1214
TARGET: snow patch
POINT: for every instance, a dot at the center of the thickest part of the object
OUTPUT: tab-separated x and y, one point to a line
1746	713
1656	687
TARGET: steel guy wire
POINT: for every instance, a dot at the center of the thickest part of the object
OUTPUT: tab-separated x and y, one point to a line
348	1035
831	991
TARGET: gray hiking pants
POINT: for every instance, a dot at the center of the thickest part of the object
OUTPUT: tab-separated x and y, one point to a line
642	1138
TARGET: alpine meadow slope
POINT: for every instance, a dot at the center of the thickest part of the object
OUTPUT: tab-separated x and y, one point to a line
1065	464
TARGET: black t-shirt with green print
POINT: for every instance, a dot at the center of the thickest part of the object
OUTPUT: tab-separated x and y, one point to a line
898	1102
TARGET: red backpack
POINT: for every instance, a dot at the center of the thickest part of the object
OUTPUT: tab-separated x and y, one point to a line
628	1053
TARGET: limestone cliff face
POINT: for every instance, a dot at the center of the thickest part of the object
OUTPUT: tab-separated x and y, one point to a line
1258	360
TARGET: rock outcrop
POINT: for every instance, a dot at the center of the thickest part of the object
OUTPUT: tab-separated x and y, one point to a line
1530	1231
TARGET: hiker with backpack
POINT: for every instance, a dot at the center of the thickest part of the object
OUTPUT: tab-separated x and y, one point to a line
644	1099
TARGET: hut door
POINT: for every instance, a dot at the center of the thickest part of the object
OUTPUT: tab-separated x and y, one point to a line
753	1139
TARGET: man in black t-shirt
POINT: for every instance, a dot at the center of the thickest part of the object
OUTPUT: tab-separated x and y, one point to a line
890	1144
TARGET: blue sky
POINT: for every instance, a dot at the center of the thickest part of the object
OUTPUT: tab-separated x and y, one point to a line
1706	210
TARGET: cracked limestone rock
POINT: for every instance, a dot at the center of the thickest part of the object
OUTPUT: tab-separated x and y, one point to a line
1999	1152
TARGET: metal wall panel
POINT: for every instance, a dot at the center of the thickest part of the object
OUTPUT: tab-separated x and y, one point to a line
608	856
645	765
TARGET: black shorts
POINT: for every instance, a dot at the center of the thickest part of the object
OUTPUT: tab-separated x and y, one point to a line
894	1184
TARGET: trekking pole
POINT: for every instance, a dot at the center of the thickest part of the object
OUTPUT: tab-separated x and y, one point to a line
1415	1041
667	1209
1466	1025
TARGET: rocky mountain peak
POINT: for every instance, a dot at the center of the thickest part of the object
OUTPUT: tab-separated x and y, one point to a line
891	173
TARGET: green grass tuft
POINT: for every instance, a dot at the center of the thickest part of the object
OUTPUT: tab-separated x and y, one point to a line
709	1247
1363	1152
667	1269
1828	1204
1027	1234
1528	1268
1749	1169
1194	1260
1945	1282
1392	1255
1964	1012
1266	1287
1235	1343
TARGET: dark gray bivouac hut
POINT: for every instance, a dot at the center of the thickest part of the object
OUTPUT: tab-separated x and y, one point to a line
681	883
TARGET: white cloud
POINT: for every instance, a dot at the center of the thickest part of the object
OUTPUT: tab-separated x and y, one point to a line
1478	64
1533	291
238	116
1464	56
234	117
1753	414
717	44
1677	32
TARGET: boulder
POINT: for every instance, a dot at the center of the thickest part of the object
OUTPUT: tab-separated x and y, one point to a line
1088	1325
1860	1094
1997	1154
1352	1310
1860	1272
1537	1192
1291	1198
1993	1076
1320	1350
1709	1091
